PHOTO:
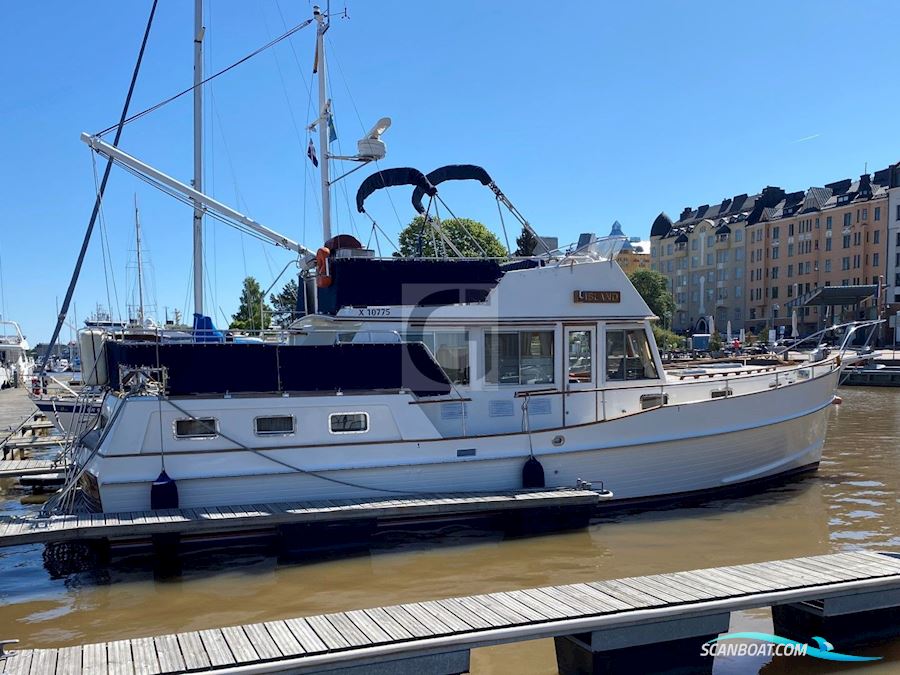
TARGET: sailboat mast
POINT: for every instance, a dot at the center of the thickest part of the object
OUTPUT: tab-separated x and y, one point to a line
198	155
324	120
140	262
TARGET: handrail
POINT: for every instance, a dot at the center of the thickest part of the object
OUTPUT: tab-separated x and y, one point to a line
656	385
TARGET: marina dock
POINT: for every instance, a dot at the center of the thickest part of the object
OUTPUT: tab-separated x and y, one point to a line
596	624
16	530
16	468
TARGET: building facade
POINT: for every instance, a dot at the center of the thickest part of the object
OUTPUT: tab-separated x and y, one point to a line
703	254
846	233
834	235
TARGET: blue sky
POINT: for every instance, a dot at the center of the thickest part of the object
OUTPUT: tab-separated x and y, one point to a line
583	113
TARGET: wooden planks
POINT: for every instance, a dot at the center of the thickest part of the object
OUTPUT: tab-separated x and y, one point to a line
479	619
16	531
14	468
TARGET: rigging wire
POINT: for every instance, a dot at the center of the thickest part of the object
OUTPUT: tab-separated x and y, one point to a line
246	58
60	320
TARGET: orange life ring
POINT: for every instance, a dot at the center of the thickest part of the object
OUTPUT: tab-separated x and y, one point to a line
323	273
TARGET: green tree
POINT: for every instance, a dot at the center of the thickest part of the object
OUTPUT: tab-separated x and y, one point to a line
460	231
666	340
654	290
248	315
525	243
284	304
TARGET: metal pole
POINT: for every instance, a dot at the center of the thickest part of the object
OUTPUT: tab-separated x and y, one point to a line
61	315
140	265
324	119
198	155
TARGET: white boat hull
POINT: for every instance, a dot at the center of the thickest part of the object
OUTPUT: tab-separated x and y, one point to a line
661	452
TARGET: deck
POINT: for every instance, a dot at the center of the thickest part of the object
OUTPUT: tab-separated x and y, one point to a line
16	468
435	636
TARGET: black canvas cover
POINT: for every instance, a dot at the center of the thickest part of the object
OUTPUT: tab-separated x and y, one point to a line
362	282
449	172
391	178
264	368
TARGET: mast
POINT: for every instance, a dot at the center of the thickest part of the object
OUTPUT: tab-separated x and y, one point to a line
198	155
140	262
324	120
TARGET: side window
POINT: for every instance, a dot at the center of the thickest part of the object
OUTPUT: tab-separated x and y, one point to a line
348	423
525	357
628	356
202	427
451	351
276	425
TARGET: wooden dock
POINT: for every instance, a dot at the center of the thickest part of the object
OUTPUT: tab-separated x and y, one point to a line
601	619
31	529
16	468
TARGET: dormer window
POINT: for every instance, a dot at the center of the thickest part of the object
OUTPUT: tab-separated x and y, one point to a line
843	199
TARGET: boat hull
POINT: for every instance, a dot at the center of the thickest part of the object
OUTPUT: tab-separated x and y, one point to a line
658	453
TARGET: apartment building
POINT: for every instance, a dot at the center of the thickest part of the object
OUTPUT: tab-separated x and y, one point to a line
834	235
703	254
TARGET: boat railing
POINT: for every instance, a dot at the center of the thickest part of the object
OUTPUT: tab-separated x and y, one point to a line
643	397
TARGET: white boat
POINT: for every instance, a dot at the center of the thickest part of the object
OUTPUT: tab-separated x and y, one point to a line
442	375
16	363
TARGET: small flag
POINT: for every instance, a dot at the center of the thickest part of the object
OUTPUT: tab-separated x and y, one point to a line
332	132
311	153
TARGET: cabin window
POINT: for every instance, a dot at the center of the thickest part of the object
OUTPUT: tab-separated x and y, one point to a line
628	356
580	356
275	425
348	423
200	427
523	357
451	351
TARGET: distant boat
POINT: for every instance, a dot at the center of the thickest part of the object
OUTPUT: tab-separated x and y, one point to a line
15	362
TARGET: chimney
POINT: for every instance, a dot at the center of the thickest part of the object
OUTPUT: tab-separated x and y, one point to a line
686	213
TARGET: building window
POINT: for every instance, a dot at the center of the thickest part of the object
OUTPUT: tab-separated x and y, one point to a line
898	212
875	260
774	292
876	237
524	357
846	241
877	214
791	230
828	222
845	263
790	271
790	250
817	222
774	253
710	240
200	427
775	232
865	214
848	219
275	425
739	235
348	423
827	264
828	244
775	272
628	356
695	244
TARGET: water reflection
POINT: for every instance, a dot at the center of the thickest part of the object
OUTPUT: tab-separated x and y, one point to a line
852	502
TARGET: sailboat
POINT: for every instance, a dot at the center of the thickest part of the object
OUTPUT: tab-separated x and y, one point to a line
423	375
16	362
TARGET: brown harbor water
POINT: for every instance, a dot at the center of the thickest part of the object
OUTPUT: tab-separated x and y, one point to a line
852	502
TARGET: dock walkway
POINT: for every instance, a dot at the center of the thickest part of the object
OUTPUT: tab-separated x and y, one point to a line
435	637
16	468
32	529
